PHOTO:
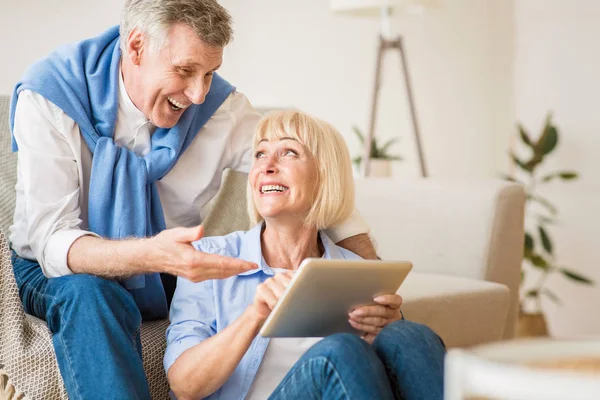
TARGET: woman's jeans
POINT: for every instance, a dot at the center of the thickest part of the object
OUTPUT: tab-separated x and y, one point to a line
96	331
406	361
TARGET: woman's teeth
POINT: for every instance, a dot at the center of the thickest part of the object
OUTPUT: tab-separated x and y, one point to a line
175	105
273	188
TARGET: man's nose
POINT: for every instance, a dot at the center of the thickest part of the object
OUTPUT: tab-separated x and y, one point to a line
196	91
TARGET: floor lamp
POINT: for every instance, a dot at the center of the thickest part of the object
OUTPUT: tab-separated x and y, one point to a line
387	42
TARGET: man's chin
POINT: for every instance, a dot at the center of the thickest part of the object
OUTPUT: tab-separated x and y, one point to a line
165	123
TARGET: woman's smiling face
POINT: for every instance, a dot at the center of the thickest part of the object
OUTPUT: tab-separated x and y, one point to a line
283	179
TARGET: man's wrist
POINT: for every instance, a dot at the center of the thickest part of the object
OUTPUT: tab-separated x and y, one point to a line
142	255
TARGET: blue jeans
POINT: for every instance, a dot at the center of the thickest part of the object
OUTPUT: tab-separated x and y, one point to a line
96	331
406	361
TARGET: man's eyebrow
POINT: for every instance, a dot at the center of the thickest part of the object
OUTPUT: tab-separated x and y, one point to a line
188	62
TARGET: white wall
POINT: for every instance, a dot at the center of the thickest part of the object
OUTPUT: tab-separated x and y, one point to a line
297	53
557	66
30	29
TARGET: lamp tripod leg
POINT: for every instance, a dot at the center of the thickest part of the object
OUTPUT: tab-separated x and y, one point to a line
374	103
413	112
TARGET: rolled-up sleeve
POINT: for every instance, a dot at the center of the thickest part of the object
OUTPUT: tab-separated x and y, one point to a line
193	318
354	225
48	181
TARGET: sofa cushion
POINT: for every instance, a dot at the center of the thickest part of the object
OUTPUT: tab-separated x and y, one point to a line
462	311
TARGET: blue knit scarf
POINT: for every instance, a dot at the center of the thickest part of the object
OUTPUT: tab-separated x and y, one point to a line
83	80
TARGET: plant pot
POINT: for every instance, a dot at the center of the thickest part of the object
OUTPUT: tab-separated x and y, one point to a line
380	168
532	325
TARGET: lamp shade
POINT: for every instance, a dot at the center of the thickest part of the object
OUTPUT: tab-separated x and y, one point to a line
372	8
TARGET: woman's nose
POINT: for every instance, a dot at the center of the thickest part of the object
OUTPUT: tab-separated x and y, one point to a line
269	166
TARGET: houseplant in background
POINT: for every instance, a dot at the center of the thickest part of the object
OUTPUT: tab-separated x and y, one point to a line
540	213
380	159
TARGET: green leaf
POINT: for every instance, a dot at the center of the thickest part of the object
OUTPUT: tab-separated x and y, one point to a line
546	242
544	203
568	175
529	242
544	220
357	160
532	293
385	147
374	152
522	276
576	277
549	138
525	137
565	176
359	135
521	164
539	262
510	178
549	177
552	296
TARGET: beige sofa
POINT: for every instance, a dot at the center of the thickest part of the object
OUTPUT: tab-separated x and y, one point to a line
464	238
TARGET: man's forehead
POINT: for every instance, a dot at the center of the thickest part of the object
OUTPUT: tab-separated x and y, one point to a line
188	49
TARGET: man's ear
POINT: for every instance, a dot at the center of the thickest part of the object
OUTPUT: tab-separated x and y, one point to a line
135	46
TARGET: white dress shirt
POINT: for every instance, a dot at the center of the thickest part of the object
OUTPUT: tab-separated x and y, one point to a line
54	165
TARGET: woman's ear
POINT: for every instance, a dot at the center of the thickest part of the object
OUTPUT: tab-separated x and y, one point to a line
135	46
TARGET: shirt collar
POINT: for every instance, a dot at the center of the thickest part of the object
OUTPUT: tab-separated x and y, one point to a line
126	105
251	250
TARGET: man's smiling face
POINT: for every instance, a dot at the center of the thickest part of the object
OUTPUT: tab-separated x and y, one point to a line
169	80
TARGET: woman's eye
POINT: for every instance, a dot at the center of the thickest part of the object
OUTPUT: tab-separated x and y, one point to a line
208	75
259	154
185	71
289	152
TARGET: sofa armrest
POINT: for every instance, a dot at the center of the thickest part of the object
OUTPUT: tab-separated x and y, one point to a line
462	311
463	228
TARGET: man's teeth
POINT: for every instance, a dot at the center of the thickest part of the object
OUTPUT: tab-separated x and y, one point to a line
273	188
175	105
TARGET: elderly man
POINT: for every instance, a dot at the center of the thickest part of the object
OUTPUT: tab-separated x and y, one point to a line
122	138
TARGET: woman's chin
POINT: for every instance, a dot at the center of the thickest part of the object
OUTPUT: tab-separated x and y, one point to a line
283	218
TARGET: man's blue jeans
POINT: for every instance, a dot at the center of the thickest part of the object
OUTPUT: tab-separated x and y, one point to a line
406	361
96	331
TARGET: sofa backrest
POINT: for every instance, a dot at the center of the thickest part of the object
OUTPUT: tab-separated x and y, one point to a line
8	168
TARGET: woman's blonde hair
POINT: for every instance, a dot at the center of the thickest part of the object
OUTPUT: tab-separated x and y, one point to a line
334	196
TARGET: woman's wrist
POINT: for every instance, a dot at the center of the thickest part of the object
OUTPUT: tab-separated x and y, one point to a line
255	319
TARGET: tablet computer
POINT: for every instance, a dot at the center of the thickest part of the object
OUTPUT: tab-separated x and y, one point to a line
322	292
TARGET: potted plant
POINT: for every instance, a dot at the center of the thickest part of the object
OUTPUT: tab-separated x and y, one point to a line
380	160
538	244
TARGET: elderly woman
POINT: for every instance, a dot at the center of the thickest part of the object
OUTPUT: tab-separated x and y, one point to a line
300	184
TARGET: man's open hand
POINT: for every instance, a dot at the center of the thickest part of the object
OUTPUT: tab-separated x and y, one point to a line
171	252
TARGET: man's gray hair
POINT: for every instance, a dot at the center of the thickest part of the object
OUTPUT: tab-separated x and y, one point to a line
207	18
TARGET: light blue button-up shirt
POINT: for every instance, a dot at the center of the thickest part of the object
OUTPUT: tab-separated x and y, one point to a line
201	310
